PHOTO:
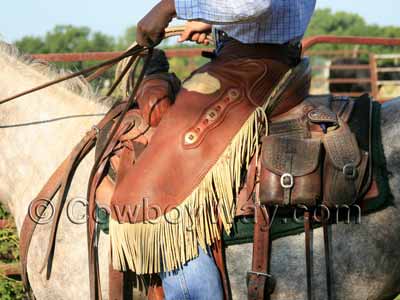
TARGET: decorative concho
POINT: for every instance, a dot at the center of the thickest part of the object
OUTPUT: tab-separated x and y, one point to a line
190	138
211	115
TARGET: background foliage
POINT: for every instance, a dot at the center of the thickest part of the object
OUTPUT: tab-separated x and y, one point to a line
342	23
10	288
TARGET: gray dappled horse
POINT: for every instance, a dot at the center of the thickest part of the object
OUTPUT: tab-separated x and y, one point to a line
38	131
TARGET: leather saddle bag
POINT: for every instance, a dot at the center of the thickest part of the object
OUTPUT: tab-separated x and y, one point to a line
344	167
327	167
290	171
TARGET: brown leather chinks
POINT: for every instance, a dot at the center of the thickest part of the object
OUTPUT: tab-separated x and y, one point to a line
190	173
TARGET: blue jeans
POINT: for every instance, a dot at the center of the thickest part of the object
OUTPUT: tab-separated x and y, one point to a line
197	279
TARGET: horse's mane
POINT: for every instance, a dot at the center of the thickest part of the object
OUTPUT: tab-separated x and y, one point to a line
78	85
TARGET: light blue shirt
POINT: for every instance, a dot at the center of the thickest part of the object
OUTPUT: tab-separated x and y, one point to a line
252	21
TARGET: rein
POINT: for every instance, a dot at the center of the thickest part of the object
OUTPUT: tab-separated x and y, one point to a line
133	52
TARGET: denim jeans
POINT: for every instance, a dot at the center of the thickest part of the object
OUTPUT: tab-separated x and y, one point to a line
197	279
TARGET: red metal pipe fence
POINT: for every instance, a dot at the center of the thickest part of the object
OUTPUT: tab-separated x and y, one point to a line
350	40
191	52
308	43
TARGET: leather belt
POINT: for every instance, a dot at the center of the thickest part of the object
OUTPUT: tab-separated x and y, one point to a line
288	53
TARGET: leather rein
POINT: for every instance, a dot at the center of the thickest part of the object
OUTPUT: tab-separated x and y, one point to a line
134	51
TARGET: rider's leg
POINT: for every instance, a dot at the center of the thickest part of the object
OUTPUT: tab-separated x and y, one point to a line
197	279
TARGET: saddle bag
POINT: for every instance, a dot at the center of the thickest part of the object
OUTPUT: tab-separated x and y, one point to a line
290	172
344	167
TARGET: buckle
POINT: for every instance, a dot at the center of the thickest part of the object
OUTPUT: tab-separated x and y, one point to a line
268	285
96	129
350	171
287	181
259	274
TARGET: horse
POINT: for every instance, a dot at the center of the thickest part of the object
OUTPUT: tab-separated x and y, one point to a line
38	131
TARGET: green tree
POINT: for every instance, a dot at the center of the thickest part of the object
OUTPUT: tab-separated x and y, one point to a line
128	38
325	22
31	44
67	39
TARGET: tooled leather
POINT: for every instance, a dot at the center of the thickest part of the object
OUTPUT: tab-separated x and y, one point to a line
322	114
290	128
339	105
166	172
341	191
341	147
303	155
306	189
333	176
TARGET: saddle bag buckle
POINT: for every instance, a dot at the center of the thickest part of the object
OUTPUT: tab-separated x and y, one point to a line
350	171
287	181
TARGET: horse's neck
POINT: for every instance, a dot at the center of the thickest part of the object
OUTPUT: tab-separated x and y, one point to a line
36	133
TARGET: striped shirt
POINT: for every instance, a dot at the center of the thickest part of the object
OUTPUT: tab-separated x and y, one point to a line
252	21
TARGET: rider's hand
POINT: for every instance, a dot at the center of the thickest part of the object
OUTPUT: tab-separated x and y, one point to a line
197	32
151	29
